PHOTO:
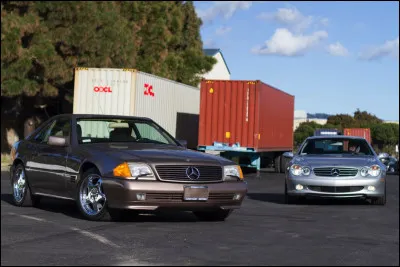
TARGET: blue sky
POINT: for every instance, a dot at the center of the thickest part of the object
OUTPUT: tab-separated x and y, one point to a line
334	57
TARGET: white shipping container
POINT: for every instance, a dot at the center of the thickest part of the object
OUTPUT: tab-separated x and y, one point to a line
133	93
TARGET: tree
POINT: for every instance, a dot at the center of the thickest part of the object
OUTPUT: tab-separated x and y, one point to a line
305	129
342	120
363	119
42	42
385	133
332	126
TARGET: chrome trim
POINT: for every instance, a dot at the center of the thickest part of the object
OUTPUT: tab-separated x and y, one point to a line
54	196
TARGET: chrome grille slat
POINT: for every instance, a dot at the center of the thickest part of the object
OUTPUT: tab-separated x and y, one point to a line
178	197
343	171
178	173
336	189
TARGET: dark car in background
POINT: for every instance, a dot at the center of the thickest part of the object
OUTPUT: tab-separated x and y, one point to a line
118	163
393	166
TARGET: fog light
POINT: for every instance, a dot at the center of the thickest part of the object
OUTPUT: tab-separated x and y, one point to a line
141	196
299	187
237	197
371	188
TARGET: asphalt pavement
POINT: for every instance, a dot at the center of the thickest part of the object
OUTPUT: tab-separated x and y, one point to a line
263	232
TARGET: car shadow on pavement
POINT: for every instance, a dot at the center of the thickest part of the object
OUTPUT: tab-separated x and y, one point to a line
280	199
65	207
70	209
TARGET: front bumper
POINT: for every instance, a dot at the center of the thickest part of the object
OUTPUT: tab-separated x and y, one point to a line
336	188
122	194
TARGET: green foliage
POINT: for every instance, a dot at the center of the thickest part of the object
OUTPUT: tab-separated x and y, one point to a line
42	42
383	134
305	129
364	119
343	120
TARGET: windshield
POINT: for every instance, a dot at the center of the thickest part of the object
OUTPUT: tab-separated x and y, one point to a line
121	130
336	146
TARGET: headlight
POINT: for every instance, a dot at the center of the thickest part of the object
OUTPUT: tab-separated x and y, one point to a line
373	171
295	170
134	170
306	171
233	171
298	170
364	171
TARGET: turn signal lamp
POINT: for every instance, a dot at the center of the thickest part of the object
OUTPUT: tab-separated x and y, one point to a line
122	170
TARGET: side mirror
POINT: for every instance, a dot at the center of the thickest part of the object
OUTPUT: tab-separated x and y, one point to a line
57	141
288	155
183	143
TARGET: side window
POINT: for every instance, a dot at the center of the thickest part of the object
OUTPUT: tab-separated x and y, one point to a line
44	133
147	131
59	128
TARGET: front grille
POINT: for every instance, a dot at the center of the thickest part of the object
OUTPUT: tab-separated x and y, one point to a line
221	196
170	197
336	189
178	173
178	197
343	172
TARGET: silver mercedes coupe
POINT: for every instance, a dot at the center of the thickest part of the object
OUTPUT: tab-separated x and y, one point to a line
335	167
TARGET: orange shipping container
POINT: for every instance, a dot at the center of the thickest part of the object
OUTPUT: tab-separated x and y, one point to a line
361	132
251	113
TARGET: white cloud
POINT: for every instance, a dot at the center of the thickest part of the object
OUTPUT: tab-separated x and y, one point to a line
292	18
285	43
222	30
226	9
389	48
209	43
337	49
324	21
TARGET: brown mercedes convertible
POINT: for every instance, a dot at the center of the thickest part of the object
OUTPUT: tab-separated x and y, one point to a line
117	163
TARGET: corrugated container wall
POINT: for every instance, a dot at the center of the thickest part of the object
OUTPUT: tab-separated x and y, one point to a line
251	113
361	132
169	99
134	93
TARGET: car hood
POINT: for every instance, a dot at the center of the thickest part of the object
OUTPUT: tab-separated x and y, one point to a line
335	160
155	153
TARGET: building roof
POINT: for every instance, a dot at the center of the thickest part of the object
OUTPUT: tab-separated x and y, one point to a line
212	52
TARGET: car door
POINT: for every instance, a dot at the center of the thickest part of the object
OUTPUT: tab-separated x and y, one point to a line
49	162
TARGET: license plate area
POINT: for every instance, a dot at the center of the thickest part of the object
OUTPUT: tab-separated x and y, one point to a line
195	193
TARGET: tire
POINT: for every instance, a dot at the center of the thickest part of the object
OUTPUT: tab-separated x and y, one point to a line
380	201
23	198
288	198
87	208
283	164
277	164
217	215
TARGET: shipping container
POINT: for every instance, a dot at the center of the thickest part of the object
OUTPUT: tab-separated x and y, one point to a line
328	132
251	113
134	93
245	115
360	132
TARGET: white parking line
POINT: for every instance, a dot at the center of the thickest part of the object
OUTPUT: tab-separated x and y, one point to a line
33	218
91	235
94	236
